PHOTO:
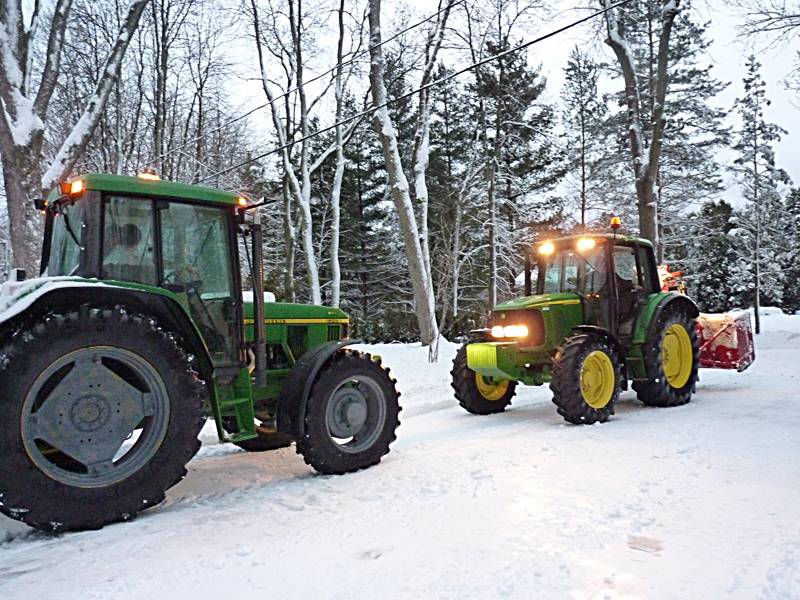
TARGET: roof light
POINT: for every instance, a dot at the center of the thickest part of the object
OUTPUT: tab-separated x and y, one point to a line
71	188
585	244
148	175
547	248
616	223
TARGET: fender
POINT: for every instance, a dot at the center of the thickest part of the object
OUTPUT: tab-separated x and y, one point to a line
42	295
613	342
655	306
297	386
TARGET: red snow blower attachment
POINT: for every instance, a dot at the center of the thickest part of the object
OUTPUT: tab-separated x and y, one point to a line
726	340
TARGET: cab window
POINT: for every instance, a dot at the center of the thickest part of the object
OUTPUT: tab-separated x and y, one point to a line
128	240
68	242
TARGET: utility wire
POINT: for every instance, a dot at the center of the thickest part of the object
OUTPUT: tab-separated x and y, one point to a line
427	86
349	61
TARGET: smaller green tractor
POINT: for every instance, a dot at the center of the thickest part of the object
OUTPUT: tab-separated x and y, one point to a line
138	330
598	320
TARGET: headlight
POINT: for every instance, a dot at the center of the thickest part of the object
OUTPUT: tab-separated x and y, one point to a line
510	331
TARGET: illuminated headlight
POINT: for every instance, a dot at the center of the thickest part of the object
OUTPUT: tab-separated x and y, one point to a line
510	331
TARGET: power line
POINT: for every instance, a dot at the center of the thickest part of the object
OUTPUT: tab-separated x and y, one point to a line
349	61
427	86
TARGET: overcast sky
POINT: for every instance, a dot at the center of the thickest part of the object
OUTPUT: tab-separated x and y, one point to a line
726	53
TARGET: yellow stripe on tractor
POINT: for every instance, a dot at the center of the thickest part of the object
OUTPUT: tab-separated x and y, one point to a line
301	321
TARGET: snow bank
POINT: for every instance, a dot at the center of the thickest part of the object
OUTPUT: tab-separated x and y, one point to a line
416	377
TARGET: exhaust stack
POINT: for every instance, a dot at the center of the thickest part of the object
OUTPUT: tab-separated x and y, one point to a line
258	300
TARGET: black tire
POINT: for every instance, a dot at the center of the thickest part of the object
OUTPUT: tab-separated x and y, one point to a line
266	440
566	385
318	445
27	492
465	384
658	391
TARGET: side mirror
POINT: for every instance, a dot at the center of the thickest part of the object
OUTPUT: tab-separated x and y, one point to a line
40	204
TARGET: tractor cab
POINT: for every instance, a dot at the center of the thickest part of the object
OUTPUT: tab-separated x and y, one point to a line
155	234
611	276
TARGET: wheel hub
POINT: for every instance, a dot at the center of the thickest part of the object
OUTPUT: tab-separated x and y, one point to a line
90	413
349	412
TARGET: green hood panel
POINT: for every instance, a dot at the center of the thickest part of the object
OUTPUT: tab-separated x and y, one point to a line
538	301
280	311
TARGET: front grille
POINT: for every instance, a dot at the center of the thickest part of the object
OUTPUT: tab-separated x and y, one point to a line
333	333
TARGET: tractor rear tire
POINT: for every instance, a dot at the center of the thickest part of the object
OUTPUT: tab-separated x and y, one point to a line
75	386
672	377
586	379
351	415
474	393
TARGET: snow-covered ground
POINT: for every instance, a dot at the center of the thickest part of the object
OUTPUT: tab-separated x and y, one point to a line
700	501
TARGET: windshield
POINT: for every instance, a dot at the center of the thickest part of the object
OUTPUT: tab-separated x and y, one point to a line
67	245
571	270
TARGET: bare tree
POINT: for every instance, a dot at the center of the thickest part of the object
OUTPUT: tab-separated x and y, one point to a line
22	125
777	19
419	272
298	178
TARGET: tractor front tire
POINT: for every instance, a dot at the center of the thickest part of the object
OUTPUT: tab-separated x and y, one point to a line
672	359
586	379
351	414
474	393
100	413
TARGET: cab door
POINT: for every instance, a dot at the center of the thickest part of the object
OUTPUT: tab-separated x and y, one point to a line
197	263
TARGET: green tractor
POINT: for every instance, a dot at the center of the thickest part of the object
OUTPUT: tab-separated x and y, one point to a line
138	330
598	320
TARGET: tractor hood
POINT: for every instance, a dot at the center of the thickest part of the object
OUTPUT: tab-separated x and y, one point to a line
538	301
284	311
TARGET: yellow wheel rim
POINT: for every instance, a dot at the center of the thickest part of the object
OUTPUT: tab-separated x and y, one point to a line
676	355
489	390
597	379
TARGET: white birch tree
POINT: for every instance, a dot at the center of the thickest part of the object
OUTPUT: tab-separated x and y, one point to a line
419	273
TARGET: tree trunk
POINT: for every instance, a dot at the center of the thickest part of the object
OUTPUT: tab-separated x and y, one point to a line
645	163
336	274
420	279
22	121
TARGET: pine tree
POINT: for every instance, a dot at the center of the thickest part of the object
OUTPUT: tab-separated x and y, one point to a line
759	178
710	260
791	257
523	161
584	119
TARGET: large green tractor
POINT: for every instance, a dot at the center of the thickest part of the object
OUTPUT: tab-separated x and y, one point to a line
598	320
138	330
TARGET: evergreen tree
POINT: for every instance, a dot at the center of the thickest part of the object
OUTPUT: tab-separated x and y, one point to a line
761	222
523	164
710	261
584	118
791	258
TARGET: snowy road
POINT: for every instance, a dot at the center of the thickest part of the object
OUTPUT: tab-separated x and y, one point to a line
700	501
